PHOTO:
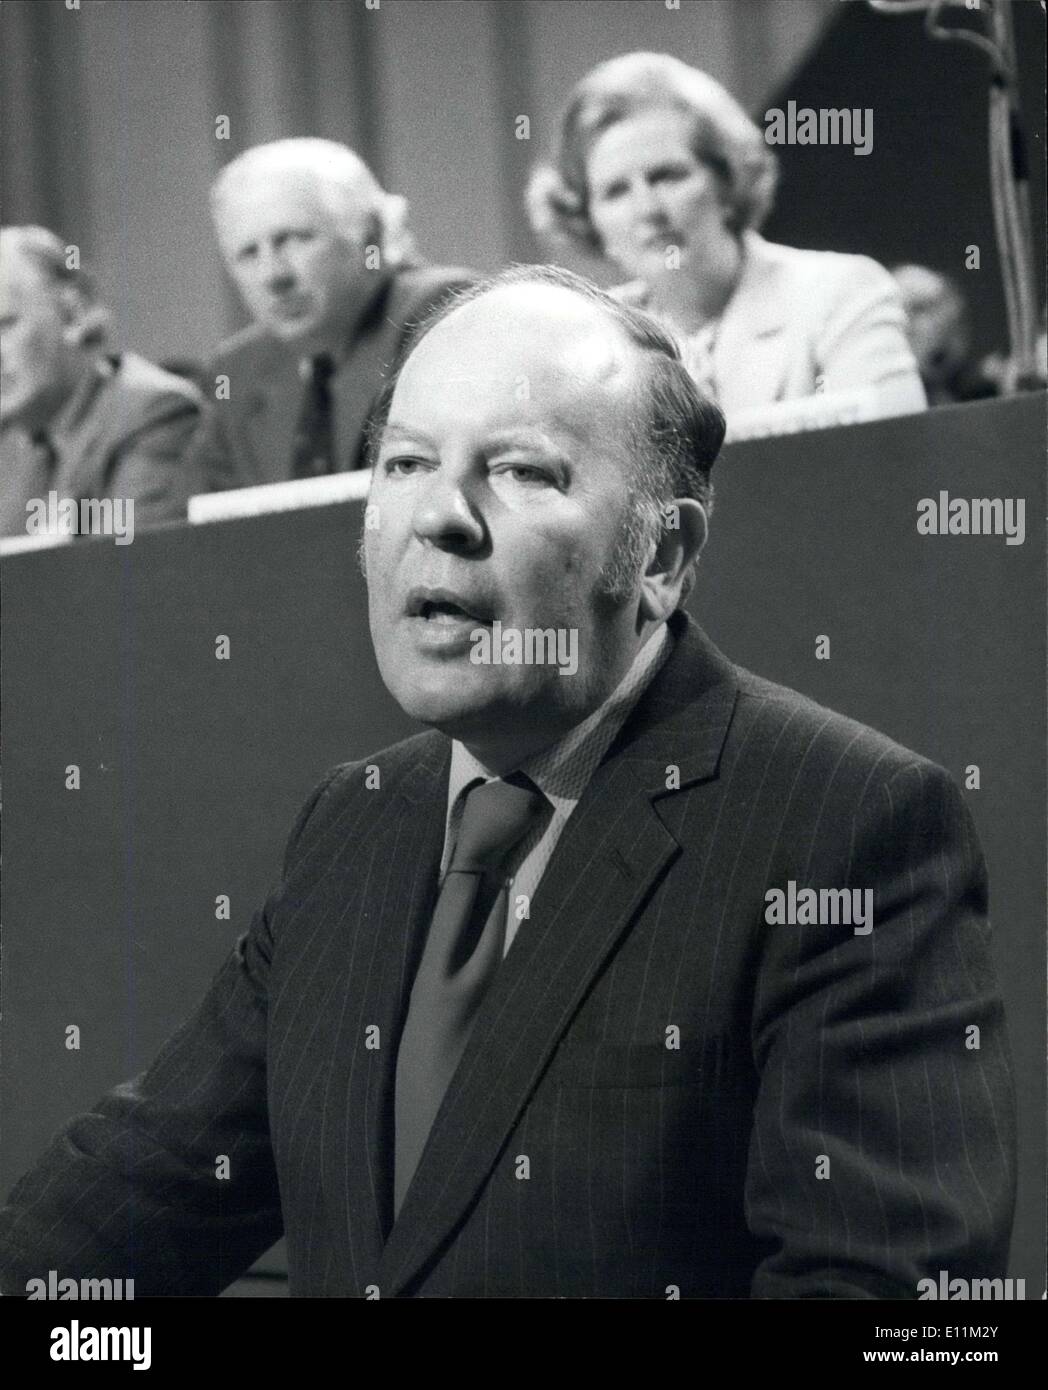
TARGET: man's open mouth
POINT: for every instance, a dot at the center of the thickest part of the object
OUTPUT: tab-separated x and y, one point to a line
441	607
436	611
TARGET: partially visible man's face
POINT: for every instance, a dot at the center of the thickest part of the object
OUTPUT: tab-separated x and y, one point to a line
499	495
37	362
938	337
935	324
301	275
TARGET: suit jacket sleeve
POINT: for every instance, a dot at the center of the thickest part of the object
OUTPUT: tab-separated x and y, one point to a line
130	1190
210	464
883	1139
150	464
861	341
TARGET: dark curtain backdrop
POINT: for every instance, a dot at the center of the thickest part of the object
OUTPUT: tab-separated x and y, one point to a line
109	113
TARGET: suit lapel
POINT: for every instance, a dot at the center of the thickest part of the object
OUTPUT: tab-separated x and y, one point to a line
407	296
26	478
614	849
272	409
81	441
361	376
751	331
403	859
275	402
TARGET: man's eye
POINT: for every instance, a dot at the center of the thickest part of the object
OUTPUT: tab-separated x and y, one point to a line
526	473
401	466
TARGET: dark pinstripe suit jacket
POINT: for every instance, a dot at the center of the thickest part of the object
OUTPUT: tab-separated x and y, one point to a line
576	1153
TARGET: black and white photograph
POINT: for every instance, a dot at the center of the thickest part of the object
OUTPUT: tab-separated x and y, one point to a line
522	542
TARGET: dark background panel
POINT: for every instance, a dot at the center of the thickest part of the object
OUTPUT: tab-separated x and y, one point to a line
923	192
192	769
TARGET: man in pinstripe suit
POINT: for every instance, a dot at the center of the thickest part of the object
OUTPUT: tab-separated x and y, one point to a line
660	1091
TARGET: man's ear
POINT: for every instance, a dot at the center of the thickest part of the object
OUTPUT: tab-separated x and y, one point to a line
683	535
398	244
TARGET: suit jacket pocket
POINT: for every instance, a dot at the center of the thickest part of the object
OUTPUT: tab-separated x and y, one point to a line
636	1064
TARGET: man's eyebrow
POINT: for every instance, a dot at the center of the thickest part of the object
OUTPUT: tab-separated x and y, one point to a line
526	437
393	431
523	437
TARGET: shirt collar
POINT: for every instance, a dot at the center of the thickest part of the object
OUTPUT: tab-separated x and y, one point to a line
562	770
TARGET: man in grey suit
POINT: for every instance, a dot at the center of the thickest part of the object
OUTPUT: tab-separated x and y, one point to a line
635	976
77	420
327	269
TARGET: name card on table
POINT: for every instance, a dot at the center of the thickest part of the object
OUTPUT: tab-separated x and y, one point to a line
821	411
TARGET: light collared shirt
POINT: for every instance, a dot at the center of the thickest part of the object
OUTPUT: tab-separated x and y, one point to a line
561	772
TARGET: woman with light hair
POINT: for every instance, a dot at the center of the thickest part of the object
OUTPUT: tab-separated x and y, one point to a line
661	173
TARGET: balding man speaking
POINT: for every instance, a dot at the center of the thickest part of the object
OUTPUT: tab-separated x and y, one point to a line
635	976
327	269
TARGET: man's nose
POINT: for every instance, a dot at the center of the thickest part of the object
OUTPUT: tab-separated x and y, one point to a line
446	513
275	270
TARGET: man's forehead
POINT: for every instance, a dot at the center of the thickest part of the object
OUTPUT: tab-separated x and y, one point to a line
296	184
535	341
286	192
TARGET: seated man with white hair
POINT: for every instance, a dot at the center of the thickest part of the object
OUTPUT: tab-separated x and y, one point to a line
327	270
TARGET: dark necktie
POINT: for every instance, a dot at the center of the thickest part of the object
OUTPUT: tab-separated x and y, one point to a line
462	953
45	455
45	461
312	447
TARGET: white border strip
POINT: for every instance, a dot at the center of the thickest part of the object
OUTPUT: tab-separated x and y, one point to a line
280	497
